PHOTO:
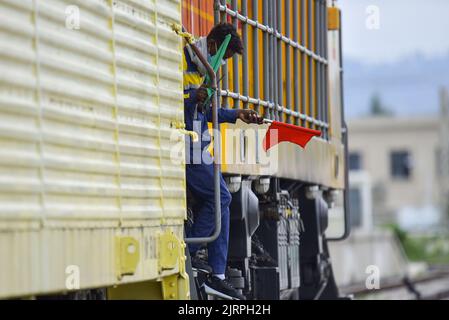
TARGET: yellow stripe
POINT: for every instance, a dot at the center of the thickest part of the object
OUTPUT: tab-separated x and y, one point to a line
186	95
199	12
192	78
333	16
184	63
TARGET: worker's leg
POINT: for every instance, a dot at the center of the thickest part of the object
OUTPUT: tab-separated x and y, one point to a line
200	181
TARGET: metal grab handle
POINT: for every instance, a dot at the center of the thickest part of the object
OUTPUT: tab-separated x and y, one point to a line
347	213
181	127
216	148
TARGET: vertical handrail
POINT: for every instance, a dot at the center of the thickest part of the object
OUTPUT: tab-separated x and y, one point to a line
347	213
266	60
288	84
296	57
235	60
216	149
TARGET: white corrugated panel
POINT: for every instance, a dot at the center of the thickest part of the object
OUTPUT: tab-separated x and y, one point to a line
85	120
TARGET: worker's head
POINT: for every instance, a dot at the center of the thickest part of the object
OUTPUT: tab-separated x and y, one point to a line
218	34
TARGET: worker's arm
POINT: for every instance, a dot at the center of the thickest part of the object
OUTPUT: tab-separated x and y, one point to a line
231	116
224	115
228	115
194	96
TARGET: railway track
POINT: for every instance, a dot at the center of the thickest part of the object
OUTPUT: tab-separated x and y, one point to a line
432	286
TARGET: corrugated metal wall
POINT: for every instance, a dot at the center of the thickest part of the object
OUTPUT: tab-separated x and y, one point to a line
85	134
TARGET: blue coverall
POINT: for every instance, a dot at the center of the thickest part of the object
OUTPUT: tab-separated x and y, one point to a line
200	173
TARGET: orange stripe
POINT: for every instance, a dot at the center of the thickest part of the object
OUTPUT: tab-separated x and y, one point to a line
198	11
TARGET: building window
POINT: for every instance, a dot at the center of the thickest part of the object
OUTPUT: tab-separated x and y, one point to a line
401	164
355	207
439	160
355	161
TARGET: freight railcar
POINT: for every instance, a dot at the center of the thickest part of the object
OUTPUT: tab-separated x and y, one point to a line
92	197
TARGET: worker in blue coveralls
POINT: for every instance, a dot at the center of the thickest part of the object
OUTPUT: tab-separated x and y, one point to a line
199	162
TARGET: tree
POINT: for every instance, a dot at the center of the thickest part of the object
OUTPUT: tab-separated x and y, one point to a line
377	108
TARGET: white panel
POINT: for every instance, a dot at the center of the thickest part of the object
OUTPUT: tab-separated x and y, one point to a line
85	128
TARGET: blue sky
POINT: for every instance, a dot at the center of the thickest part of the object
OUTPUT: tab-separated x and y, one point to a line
406	27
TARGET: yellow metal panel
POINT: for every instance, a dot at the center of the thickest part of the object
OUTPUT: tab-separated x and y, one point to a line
315	164
333	22
127	255
147	290
85	138
39	261
169	250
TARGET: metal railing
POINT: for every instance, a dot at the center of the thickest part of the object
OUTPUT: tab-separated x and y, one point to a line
297	95
216	148
347	213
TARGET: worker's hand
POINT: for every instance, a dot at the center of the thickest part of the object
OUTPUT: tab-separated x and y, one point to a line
201	94
249	116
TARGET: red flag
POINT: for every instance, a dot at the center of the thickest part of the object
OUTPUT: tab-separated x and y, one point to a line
288	132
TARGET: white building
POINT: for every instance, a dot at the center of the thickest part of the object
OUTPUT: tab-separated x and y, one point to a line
399	173
402	161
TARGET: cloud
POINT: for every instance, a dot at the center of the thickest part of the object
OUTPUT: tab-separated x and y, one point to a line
406	27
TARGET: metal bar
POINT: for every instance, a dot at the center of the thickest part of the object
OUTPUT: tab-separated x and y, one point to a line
310	62
326	68
255	69
245	75
255	5
295	59
266	71
288	82
235	60
279	64
321	6
347	213
217	153
224	69
217	12
271	61
321	42
272	106
270	58
274	60
270	30
317	35
217	21
303	61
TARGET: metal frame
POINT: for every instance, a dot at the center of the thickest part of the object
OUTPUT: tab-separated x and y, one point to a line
347	213
273	40
217	152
